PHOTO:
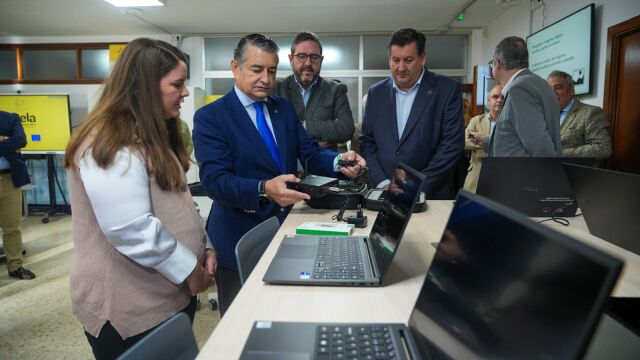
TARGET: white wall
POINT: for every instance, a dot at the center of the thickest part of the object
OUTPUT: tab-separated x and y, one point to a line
522	21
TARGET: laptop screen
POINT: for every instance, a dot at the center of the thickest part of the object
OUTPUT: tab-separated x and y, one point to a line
394	215
506	287
599	192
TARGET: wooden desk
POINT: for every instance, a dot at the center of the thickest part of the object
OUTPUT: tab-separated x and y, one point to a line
391	303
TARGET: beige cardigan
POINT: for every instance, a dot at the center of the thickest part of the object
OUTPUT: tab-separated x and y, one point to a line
108	286
480	124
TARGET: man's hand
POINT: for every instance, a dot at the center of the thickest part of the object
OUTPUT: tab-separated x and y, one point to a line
475	138
3	138
352	171
210	262
199	280
277	190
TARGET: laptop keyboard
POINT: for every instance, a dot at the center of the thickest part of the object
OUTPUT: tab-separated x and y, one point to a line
354	342
339	259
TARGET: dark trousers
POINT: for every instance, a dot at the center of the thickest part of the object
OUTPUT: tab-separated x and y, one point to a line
109	345
228	284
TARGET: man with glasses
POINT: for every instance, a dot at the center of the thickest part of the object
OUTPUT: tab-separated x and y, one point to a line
321	105
529	123
480	127
414	117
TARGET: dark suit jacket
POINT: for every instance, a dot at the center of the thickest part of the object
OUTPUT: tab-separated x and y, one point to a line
433	139
529	122
11	126
327	116
233	158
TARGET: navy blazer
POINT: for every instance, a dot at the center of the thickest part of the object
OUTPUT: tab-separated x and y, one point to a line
433	139
11	126
233	158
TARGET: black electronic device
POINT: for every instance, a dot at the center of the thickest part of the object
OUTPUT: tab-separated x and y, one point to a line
374	199
345	195
346	162
313	185
533	186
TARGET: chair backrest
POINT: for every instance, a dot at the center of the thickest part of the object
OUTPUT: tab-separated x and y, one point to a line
252	245
172	340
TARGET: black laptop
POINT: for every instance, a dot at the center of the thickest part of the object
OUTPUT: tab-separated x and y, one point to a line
350	260
500	286
537	187
610	203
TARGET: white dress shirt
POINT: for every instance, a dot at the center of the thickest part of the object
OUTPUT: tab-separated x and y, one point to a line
121	200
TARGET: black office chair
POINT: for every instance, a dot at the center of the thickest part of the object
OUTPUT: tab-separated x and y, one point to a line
252	245
173	340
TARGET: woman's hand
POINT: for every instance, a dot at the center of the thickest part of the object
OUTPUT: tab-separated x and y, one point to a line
199	280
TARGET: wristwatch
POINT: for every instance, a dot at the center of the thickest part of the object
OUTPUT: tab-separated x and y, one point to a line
262	191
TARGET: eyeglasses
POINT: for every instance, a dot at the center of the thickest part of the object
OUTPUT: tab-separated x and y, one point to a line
302	57
493	61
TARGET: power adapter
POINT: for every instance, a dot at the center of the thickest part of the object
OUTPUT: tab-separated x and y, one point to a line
357	222
360	220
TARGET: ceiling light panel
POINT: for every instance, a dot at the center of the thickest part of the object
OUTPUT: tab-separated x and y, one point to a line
136	3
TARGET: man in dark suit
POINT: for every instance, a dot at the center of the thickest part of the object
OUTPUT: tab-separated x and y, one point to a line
13	175
243	166
322	105
529	123
414	117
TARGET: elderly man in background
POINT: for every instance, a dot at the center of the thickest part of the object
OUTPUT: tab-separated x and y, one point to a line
481	125
583	128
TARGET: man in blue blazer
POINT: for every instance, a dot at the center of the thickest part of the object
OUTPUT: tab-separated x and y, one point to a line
243	167
13	175
414	117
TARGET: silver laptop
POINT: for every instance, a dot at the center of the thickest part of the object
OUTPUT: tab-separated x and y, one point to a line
500	286
350	260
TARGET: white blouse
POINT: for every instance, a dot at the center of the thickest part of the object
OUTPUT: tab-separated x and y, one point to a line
121	201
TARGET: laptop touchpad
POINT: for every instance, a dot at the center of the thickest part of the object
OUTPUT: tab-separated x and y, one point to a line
290	251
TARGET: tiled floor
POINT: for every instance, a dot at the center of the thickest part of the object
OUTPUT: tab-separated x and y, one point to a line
35	316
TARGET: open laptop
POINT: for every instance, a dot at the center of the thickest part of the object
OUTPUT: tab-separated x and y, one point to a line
500	286
351	260
609	201
537	187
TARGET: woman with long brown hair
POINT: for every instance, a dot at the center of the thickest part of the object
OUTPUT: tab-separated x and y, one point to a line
140	244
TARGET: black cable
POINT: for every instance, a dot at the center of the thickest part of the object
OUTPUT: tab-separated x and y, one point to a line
339	216
560	220
55	177
352	185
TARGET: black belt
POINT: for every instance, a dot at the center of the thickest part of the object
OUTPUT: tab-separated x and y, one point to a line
5	171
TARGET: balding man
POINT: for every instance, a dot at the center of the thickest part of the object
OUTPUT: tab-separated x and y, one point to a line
528	125
480	127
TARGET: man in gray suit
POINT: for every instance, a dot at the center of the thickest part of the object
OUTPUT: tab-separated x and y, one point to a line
529	123
320	104
583	128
